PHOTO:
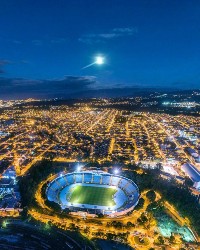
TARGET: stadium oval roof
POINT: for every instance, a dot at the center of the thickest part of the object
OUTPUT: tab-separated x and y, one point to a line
61	189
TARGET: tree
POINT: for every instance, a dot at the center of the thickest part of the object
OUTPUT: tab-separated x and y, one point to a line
72	226
100	215
87	230
188	182
130	224
140	204
116	224
161	240
151	195
53	205
3	165
172	239
142	219
159	166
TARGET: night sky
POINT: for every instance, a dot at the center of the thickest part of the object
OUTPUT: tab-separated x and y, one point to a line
146	43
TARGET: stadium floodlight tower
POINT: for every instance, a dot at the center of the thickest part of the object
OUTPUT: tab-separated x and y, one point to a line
79	167
116	171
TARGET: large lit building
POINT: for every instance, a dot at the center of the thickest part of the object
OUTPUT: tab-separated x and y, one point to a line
193	173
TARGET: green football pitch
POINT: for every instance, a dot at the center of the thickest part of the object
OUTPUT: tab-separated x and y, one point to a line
92	195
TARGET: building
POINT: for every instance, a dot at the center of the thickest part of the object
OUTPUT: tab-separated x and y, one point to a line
10	199
193	173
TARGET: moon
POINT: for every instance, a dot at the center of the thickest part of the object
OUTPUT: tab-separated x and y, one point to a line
99	60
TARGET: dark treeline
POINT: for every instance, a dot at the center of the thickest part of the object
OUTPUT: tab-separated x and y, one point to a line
177	194
28	184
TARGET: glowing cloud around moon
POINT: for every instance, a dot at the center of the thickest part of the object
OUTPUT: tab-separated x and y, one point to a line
99	60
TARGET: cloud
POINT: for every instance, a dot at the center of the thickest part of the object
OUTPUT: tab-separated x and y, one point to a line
17	42
128	31
186	84
90	40
2	64
49	88
24	62
55	41
114	33
58	41
37	42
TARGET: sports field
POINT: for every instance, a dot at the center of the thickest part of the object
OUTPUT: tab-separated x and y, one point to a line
92	195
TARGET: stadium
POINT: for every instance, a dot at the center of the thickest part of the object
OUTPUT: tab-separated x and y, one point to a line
94	192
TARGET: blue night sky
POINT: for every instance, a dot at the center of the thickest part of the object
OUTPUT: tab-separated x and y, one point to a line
146	43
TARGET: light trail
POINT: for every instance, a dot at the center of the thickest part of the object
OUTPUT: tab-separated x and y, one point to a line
98	60
89	65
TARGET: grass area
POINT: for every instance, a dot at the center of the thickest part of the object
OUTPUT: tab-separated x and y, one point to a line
168	226
93	195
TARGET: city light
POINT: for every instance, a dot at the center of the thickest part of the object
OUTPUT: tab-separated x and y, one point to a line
116	171
93	142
